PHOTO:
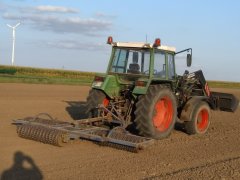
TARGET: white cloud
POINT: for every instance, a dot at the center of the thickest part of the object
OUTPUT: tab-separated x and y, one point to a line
54	9
61	24
44	18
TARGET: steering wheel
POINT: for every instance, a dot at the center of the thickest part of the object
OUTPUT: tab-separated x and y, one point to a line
147	71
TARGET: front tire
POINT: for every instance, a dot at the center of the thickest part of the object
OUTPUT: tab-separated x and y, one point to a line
199	119
156	112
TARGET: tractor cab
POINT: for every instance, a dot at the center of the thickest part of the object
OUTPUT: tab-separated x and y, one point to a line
136	65
142	59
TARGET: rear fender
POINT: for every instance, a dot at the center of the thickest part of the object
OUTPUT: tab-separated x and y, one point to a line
110	86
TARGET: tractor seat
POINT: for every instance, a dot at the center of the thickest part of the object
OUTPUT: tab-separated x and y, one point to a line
134	68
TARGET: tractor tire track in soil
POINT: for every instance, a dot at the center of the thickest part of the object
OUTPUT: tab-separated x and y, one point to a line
203	167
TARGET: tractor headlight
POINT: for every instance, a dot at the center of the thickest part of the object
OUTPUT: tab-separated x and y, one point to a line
97	84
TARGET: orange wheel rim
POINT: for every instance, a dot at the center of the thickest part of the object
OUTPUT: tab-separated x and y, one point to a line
163	114
202	120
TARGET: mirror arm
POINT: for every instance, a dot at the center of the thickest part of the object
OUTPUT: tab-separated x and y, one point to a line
189	49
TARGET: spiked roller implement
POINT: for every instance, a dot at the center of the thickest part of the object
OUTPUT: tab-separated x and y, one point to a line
58	133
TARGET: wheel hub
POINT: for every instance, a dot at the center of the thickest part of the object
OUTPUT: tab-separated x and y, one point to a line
163	114
202	121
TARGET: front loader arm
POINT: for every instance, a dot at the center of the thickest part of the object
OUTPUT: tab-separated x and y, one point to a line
196	85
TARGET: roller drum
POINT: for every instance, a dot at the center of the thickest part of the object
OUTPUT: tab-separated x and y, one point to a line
42	134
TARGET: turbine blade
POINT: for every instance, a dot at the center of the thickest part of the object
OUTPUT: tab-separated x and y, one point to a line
17	25
9	26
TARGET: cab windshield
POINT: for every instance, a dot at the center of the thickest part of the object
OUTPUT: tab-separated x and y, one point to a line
131	61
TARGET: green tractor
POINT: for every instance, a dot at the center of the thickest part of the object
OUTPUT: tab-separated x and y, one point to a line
141	88
140	91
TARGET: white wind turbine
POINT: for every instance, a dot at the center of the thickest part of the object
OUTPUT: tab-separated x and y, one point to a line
14	35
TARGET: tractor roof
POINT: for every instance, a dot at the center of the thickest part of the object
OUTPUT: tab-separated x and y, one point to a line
142	45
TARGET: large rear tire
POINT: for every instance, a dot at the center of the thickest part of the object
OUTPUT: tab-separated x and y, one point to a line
156	112
95	97
199	118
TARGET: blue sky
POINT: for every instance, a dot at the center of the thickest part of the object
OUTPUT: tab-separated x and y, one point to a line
72	34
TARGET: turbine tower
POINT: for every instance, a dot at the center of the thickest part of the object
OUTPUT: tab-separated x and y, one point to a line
14	35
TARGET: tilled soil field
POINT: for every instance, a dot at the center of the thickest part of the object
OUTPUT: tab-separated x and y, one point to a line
215	155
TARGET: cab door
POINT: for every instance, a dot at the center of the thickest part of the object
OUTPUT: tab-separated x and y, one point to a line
170	66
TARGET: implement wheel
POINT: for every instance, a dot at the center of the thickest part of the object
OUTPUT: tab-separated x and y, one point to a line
198	116
95	97
156	112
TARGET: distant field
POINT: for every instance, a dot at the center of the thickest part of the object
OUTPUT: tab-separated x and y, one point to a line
13	74
224	84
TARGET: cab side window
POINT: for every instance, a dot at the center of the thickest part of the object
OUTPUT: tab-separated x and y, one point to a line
171	72
159	65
